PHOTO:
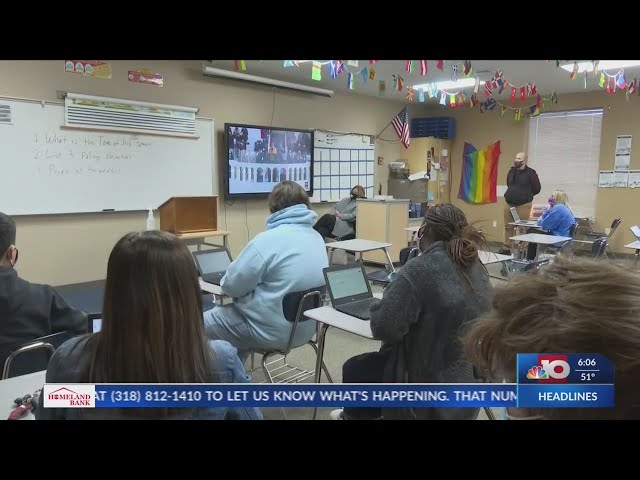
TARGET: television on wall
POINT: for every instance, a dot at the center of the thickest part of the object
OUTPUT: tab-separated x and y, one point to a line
259	157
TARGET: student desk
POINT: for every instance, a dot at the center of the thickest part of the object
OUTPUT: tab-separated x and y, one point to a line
18	387
327	317
540	239
199	238
635	245
360	246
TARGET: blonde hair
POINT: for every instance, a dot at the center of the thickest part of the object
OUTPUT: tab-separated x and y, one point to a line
358	190
561	197
567	306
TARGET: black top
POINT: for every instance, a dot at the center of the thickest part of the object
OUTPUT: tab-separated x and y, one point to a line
522	186
29	311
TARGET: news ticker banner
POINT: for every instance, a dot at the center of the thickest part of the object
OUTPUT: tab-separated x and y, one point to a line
547	380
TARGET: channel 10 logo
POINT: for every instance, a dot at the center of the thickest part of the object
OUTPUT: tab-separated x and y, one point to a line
550	369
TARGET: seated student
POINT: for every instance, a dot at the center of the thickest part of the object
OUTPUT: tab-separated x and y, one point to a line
340	223
27	310
567	306
420	316
557	220
151	332
288	257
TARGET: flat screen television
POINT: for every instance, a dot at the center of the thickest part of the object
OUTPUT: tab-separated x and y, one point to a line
260	157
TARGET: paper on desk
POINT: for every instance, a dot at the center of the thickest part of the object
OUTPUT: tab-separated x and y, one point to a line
418	175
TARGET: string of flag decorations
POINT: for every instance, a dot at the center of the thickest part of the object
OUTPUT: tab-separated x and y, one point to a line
610	83
356	74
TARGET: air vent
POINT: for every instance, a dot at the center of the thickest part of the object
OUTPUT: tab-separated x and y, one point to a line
5	115
84	111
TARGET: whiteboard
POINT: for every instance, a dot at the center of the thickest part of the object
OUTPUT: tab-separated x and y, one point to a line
47	169
341	161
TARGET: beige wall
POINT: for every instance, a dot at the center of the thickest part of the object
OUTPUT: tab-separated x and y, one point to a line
482	129
61	249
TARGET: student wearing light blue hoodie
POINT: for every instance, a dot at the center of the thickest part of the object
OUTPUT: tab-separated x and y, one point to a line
288	257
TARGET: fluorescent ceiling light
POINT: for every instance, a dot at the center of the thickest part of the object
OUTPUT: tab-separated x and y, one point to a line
216	72
602	65
449	85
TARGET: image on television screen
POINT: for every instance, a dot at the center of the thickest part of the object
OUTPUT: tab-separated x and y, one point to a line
260	157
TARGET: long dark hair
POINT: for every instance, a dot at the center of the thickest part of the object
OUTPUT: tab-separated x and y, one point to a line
152	325
447	223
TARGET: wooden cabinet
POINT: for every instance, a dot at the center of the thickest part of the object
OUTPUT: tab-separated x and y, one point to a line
383	221
189	214
423	149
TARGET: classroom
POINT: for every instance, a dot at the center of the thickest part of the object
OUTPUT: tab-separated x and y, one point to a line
422	153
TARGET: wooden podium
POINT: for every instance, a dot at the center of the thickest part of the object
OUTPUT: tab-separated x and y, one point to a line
189	214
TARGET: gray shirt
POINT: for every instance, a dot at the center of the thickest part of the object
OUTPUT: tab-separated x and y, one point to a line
345	224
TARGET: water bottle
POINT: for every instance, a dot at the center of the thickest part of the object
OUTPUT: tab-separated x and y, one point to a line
151	221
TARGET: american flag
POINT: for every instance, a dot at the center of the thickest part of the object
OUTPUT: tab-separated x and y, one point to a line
401	125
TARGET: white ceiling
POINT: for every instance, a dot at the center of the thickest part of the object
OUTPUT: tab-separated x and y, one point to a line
547	77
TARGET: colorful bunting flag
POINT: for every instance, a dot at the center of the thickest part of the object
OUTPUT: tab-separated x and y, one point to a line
574	72
443	99
522	94
288	63
352	63
503	109
601	82
452	100
350	81
372	62
440	64
421	95
410	93
239	65
333	69
316	71
408	66
518	115
512	98
454	72
423	67
365	75
621	82
372	74
381	88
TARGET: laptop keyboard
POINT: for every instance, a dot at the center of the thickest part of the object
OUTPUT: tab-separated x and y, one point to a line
359	309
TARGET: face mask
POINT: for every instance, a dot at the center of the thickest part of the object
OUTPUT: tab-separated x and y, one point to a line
518	163
551	200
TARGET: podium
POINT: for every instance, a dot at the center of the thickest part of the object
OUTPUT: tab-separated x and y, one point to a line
181	215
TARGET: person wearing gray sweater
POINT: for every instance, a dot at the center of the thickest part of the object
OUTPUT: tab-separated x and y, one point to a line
421	314
341	223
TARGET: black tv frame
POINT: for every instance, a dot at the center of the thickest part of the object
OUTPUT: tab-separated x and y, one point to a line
225	159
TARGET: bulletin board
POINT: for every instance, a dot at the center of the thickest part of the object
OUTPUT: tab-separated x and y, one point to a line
342	160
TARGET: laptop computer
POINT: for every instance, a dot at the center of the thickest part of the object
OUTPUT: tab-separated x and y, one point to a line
636	231
349	290
212	264
95	322
516	218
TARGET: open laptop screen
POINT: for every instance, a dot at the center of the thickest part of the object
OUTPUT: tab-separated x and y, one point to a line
95	322
347	282
212	261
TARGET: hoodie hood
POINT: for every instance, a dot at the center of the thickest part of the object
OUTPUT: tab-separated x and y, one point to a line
293	215
10	299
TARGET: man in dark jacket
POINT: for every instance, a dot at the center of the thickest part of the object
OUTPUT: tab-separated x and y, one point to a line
522	185
28	311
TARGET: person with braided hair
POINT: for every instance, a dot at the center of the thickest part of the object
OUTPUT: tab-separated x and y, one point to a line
420	316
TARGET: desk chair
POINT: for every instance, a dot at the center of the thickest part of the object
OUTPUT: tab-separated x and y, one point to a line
293	306
593	236
33	356
598	248
384	277
566	246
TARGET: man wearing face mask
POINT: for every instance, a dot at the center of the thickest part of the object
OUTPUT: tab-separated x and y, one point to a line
27	310
341	223
522	185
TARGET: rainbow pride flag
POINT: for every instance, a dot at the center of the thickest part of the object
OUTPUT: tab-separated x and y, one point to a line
479	174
